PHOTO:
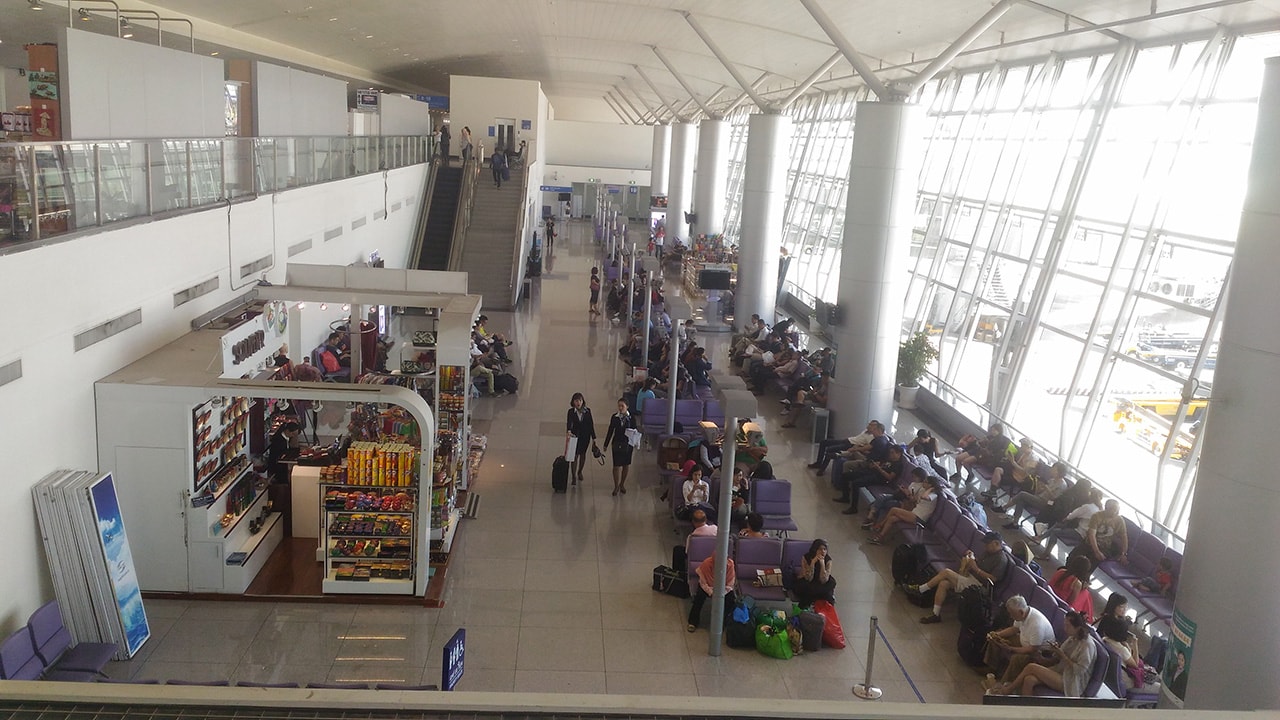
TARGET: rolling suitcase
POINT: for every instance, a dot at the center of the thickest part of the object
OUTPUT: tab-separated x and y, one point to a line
560	474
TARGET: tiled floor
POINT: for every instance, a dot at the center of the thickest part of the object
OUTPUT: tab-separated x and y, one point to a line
554	589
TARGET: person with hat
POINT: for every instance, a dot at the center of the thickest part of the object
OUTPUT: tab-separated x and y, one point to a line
990	568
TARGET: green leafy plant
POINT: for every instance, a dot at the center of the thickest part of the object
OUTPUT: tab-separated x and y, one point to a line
915	354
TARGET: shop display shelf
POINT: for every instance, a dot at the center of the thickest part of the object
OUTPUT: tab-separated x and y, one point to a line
446	534
255	541
369	537
369	512
248	468
372	586
223	532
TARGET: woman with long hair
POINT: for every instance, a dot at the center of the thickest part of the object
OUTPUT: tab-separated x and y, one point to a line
1066	668
1071	583
813	579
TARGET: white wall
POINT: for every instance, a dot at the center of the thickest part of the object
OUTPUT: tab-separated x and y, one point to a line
288	102
117	88
64	288
601	145
474	102
405	116
579	108
570	174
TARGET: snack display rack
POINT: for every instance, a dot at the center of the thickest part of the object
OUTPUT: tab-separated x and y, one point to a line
369	537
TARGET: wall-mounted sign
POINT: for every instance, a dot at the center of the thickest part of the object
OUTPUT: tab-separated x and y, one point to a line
633	190
526	124
367	100
435	102
493	131
613	189
555	188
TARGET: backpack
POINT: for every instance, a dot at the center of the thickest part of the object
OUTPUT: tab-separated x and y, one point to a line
974	609
908	561
970	506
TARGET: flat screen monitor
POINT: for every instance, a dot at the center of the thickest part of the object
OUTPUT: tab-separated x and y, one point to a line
715	279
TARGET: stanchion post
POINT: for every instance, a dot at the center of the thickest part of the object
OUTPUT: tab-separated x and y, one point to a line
866	690
737	404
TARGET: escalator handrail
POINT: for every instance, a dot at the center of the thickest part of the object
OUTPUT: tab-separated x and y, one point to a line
420	227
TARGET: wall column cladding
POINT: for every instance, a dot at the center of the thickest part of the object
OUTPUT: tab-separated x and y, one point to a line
764	189
883	171
711	183
1233	528
661	164
684	141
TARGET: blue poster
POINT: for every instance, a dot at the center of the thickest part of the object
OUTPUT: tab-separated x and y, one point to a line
119	560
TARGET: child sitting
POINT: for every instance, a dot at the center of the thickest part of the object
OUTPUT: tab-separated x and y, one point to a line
1161	580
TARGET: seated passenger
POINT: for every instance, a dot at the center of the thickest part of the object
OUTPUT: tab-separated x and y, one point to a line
1065	668
754	528
987	452
1018	465
813	580
924	444
872	471
855	446
922	498
702	589
1047	490
1161	581
990	568
1107	537
1120	638
1071	584
697	497
1009	650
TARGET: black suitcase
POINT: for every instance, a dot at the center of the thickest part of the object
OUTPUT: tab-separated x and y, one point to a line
908	562
560	474
740	635
670	581
506	382
972	645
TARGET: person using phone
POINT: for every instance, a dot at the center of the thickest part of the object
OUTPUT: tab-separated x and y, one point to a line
1064	668
813	579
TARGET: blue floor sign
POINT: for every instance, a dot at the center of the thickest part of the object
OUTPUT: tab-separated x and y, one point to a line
454	650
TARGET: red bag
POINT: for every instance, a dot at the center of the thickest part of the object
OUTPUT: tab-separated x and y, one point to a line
329	361
832	633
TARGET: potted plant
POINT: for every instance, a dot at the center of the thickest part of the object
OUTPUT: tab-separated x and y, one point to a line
915	354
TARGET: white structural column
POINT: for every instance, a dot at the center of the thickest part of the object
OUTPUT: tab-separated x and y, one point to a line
1227	587
684	143
764	187
661	163
712	182
883	174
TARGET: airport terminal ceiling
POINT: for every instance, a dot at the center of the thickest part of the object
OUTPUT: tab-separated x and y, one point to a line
587	48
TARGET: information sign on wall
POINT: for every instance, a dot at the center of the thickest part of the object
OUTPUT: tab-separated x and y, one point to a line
526	124
367	100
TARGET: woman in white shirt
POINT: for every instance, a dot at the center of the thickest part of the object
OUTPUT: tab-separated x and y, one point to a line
697	496
922	498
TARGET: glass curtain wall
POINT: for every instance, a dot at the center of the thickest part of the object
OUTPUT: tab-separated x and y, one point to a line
1075	224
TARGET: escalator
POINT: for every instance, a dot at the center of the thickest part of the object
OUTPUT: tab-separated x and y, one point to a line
437	236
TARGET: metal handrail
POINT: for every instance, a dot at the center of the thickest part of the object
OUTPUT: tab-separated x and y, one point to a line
942	390
424	209
72	188
466	203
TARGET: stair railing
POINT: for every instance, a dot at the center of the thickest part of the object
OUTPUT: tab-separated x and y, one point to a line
424	209
522	216
466	203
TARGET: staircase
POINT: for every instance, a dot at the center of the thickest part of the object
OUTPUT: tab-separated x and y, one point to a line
437	238
489	251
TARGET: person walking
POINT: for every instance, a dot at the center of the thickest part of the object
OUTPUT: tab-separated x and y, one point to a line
444	145
618	439
594	309
579	425
464	143
498	163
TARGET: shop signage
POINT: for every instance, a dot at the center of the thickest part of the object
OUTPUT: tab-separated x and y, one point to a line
633	190
454	652
526	124
613	189
556	188
367	100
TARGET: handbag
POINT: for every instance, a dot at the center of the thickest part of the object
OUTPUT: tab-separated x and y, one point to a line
670	581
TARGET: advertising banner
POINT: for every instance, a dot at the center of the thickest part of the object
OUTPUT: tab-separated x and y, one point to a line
119	563
1177	661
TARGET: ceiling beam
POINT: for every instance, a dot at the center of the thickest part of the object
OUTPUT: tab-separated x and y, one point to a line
850	53
808	82
960	44
679	78
657	116
630	104
715	50
743	97
1068	18
645	76
615	110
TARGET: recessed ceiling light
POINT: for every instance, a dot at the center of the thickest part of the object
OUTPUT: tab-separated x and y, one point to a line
35	4
215	53
368	37
332	19
84	15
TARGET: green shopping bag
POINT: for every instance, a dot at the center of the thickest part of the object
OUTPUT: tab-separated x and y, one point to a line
773	642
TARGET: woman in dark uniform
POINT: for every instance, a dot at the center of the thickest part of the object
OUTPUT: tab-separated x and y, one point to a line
578	424
617	439
279	449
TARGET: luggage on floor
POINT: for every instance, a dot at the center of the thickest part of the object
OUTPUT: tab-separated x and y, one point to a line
908	562
972	645
832	632
506	382
739	635
670	581
975	607
773	642
812	625
560	474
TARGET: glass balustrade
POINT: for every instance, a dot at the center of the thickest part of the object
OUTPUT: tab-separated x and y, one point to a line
49	190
